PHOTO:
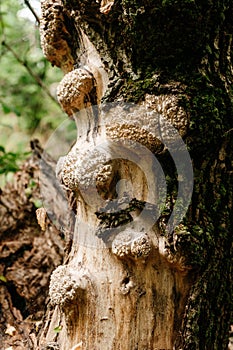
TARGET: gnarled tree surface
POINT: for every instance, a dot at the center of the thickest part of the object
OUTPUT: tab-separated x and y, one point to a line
131	280
143	285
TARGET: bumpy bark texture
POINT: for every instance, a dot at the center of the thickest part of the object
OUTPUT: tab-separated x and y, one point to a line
123	287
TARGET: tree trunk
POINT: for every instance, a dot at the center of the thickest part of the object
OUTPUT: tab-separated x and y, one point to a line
149	262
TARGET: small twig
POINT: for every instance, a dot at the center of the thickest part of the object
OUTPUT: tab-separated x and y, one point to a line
27	3
228	131
30	71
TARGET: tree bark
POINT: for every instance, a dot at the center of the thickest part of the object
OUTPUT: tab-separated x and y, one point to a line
133	280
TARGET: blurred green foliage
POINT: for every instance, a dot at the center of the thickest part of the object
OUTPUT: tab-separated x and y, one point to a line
25	107
9	161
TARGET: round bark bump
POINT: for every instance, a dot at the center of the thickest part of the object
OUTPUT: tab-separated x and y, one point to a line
133	244
73	88
104	177
132	132
55	36
121	244
66	169
141	247
65	284
169	107
85	170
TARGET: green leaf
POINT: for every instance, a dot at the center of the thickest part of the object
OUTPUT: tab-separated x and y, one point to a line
32	183
16	111
37	202
6	109
3	278
57	329
2	149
